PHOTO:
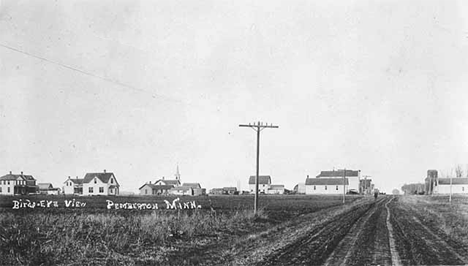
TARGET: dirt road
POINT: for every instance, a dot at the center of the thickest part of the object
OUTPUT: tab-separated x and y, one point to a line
382	232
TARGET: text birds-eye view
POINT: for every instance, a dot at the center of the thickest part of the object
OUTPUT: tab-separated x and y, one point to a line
233	133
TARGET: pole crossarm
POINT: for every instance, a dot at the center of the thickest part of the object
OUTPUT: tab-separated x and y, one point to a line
258	127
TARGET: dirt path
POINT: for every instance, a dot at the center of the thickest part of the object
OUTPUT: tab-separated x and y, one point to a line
368	232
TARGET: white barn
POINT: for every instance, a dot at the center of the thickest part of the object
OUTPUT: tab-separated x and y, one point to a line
326	186
459	186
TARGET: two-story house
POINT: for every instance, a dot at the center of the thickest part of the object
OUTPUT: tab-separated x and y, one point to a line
13	184
264	183
103	183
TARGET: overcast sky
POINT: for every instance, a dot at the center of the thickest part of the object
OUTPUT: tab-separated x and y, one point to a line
139	87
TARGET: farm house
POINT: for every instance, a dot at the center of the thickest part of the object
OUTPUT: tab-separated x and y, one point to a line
326	186
264	183
12	184
93	184
276	189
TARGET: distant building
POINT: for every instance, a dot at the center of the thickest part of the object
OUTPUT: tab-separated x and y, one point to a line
181	190
224	191
264	182
197	190
366	187
430	181
328	186
276	189
300	188
18	184
170	182
459	186
48	189
73	186
153	189
353	177
93	184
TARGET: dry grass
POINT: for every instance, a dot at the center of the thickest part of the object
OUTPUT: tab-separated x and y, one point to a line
451	219
58	238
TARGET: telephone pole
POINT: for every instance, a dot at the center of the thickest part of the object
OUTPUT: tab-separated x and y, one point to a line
258	127
344	185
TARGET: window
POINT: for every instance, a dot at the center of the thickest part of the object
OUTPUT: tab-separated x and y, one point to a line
336	187
90	190
8	189
112	181
146	191
101	189
325	187
111	190
0	189
95	181
463	188
8	183
315	187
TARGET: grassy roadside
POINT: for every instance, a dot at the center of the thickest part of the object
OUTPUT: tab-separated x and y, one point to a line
448	219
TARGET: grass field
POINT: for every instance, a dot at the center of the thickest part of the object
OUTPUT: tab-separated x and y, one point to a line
55	230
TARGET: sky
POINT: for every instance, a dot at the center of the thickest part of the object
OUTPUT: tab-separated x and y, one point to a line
141	87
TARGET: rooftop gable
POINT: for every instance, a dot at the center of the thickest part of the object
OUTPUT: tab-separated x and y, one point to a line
17	177
455	181
326	181
192	185
104	177
339	173
262	180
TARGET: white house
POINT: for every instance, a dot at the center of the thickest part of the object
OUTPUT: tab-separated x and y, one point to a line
326	186
264	183
276	189
181	190
100	184
13	184
459	186
93	184
73	186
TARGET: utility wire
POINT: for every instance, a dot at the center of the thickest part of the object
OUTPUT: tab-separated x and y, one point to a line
91	74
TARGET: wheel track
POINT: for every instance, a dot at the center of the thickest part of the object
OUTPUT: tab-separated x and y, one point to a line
346	251
418	244
320	245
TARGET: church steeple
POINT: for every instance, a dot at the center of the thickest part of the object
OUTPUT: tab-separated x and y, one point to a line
177	174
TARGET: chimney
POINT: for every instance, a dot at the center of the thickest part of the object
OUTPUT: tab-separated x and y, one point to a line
163	178
10	172
307	176
104	171
150	182
21	172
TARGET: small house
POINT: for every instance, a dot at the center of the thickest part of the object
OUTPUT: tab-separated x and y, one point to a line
264	182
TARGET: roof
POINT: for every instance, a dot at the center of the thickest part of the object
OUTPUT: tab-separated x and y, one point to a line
276	187
104	177
262	179
455	181
162	187
78	181
181	188
173	182
326	181
15	177
45	186
338	173
230	188
192	185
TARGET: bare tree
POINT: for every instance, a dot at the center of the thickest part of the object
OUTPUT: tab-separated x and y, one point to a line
458	171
